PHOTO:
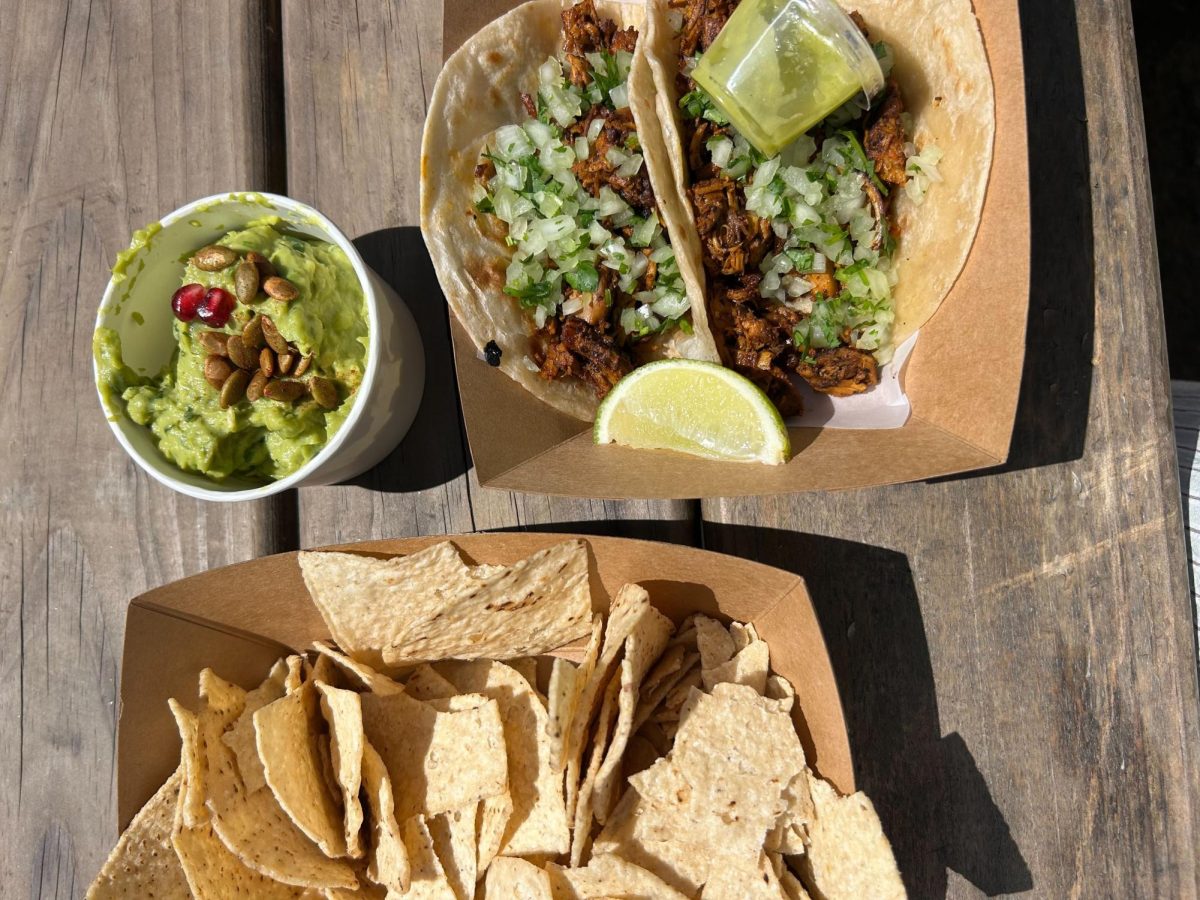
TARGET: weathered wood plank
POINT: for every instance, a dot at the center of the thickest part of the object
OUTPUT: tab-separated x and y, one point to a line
1016	653
357	81
112	115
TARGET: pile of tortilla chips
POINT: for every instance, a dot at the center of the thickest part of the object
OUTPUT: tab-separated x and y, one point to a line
448	747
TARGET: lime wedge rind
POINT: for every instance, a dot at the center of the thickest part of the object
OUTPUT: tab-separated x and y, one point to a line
693	407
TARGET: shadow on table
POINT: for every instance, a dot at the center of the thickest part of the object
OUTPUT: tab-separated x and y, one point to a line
932	799
1052	410
434	450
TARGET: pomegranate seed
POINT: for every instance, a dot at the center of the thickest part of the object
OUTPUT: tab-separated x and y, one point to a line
186	301
216	307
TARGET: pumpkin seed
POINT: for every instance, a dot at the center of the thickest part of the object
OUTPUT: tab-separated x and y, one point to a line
302	366
264	266
280	289
243	357
213	342
284	391
234	388
274	339
214	258
245	282
254	390
324	391
252	334
266	361
216	370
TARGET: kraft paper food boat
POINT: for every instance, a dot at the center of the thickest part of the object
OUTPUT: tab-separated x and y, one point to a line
962	379
239	619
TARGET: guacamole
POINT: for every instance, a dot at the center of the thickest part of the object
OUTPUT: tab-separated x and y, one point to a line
263	438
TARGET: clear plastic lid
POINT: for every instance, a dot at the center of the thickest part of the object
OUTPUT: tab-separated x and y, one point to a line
779	67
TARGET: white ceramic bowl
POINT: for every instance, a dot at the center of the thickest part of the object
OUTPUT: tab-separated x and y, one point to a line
384	406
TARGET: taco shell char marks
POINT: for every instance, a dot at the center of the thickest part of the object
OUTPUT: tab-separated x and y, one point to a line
938	68
480	91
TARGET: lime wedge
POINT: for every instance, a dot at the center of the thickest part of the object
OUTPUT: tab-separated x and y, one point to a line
693	407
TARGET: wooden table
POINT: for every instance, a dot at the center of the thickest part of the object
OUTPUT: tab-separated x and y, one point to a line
1015	649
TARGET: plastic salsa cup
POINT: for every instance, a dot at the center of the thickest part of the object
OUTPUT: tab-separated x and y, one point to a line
779	67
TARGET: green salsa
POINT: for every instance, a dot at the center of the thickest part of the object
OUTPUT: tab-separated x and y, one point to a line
266	439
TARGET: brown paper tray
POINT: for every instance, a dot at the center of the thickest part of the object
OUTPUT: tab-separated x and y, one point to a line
237	620
962	379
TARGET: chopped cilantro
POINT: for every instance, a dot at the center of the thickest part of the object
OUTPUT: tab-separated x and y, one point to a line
845	273
532	294
857	158
605	78
583	277
802	260
698	105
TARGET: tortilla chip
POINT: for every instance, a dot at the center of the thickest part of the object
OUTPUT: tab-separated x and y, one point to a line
493	817
538	824
714	642
581	829
848	854
454	839
709	805
527	667
744	883
191	761
516	879
658	686
668	663
780	689
791	829
713	770
429	881
744	634
639	755
749	666
438	761
221	703
426	684
629	609
431	605
609	876
567	684
296	670
634	832
342	712
144	864
679	695
366	890
792	888
254	826
560	697
645	643
361	673
288	733
213	872
324	670
241	738
387	857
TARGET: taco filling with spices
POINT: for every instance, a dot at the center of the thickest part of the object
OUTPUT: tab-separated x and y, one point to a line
591	264
798	248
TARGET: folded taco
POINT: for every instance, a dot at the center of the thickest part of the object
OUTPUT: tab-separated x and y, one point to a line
821	259
548	203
